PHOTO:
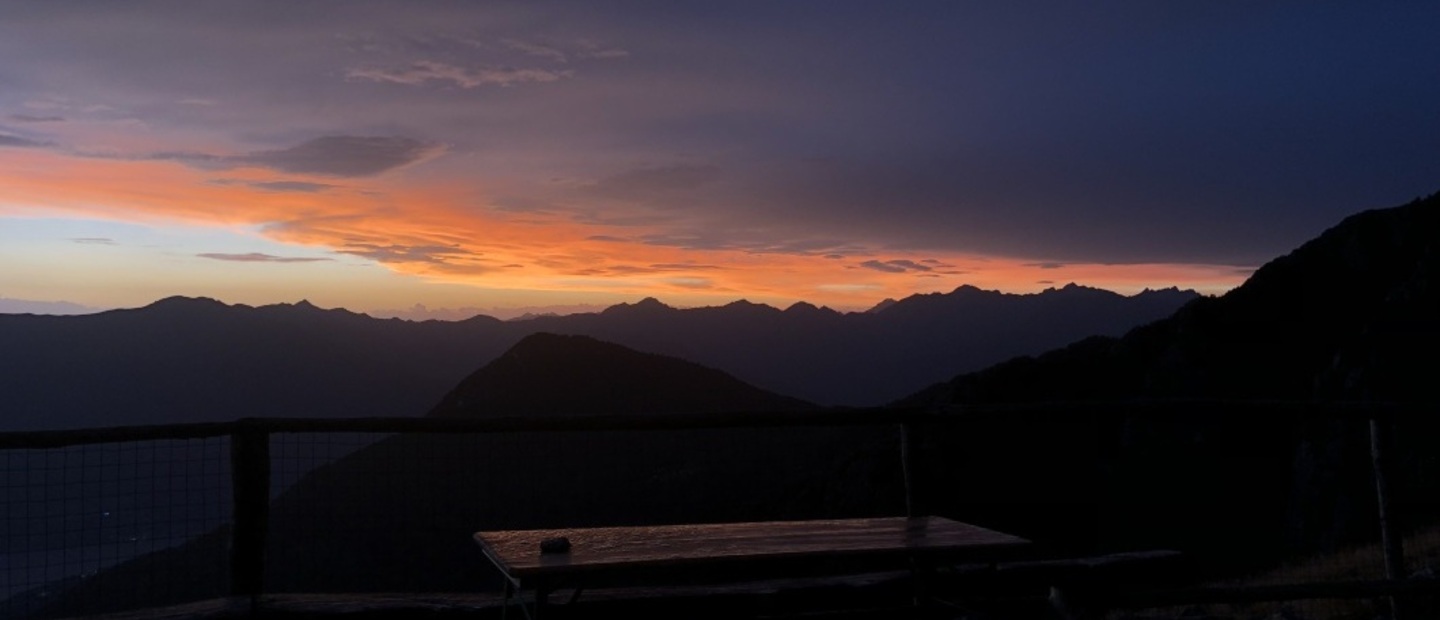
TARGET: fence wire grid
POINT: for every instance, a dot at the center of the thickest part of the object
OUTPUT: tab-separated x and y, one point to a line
116	526
75	516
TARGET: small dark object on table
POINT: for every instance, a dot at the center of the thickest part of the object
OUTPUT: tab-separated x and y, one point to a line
559	544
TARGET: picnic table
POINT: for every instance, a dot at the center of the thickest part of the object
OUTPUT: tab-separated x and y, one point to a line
643	555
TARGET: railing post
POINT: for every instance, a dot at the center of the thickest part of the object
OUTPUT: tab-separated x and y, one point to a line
250	482
910	468
1390	541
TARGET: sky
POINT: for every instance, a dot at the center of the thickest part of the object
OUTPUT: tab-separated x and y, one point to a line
428	157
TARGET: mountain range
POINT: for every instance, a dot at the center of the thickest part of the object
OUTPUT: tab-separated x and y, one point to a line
195	359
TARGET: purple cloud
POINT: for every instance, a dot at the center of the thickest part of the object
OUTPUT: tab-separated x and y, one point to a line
343	156
424	71
17	141
278	186
895	266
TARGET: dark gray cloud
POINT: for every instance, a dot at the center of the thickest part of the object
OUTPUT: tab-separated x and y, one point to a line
343	156
303	187
1046	265
94	240
257	257
30	118
896	266
746	240
609	52
631	270
335	156
19	142
292	186
428	71
398	253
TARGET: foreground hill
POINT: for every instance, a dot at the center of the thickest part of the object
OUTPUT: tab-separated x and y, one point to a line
1351	316
398	515
550	374
194	360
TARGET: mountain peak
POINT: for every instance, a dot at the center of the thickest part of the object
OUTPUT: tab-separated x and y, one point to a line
648	304
552	374
804	307
181	301
178	305
1072	290
745	304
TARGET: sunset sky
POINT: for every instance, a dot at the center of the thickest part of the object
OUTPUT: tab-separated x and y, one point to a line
494	155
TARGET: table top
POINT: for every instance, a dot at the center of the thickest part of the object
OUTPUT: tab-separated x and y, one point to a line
517	552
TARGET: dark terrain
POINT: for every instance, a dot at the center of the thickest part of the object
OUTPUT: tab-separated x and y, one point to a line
410	503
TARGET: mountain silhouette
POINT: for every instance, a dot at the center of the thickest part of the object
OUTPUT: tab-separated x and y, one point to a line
869	358
199	360
398	515
196	360
550	374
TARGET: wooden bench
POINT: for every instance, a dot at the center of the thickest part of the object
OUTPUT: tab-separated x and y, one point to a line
709	553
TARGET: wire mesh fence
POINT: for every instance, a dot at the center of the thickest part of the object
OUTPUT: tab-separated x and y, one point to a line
74	517
117	525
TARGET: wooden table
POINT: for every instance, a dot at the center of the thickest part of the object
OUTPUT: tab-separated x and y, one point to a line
714	551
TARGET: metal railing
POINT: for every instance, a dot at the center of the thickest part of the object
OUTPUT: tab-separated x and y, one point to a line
251	473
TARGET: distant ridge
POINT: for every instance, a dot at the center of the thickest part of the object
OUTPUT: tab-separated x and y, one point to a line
869	358
1352	314
551	374
185	359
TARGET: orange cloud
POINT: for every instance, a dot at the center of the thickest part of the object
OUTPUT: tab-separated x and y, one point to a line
451	234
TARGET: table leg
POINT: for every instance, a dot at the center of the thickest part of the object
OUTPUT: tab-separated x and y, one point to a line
542	598
505	602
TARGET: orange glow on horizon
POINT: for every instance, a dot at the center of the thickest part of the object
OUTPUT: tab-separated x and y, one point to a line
450	235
